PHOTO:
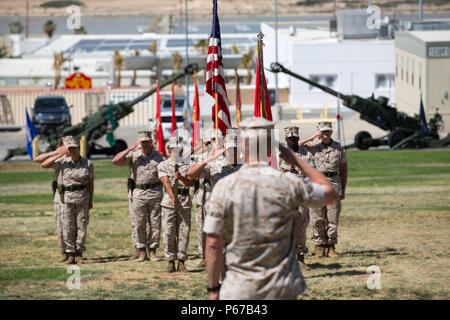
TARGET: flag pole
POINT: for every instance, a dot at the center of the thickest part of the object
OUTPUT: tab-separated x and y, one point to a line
217	116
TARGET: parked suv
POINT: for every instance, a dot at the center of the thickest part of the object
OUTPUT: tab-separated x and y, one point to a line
51	111
166	116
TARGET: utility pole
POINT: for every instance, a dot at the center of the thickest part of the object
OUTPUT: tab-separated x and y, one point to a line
420	10
27	27
277	106
188	108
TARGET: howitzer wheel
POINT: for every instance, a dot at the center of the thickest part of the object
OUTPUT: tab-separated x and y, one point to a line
395	137
363	140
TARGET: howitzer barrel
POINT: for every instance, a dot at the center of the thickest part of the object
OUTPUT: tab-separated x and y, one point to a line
187	70
276	68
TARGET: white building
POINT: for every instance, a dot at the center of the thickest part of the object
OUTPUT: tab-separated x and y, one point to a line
359	67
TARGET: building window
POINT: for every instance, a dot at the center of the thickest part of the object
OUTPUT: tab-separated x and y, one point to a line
420	76
396	65
384	81
407	70
401	71
412	72
328	80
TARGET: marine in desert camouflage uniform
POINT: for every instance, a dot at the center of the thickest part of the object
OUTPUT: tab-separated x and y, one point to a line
176	213
302	218
146	194
330	159
57	204
202	192
252	211
76	195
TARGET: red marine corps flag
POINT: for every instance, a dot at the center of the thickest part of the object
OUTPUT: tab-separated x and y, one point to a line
174	118
215	80
262	101
161	142
196	141
238	100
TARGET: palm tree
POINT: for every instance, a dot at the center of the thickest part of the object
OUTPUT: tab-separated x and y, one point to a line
177	60
153	47
118	65
202	45
49	28
235	49
15	27
58	61
81	30
133	80
247	63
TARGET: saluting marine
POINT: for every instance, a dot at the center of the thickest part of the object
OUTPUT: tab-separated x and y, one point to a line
302	218
56	185
252	212
176	205
77	192
202	192
146	192
330	159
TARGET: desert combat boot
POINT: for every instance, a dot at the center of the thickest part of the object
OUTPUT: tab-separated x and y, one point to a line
136	254
71	258
320	251
152	254
142	255
301	260
332	251
171	267
64	257
181	267
78	258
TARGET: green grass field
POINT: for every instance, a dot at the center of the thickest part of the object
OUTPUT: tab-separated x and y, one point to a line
396	216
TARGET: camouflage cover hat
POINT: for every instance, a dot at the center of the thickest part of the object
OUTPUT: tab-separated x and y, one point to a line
251	126
324	126
211	134
71	141
175	142
145	136
291	131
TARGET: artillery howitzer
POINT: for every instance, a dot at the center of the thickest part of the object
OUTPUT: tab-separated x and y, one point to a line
94	126
404	131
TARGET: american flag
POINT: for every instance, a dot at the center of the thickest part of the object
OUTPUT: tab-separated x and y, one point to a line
215	80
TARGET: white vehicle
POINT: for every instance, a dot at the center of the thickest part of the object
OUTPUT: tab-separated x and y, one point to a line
166	117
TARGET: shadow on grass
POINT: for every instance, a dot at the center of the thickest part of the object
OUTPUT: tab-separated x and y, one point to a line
108	259
338	273
374	253
325	266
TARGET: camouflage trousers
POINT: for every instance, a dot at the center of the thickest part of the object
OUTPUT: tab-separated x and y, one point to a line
75	218
59	228
176	233
146	222
324	223
201	236
133	228
300	224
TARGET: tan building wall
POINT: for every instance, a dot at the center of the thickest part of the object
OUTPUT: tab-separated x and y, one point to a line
416	73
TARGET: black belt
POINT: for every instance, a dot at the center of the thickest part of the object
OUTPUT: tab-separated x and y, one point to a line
330	174
74	187
183	192
148	186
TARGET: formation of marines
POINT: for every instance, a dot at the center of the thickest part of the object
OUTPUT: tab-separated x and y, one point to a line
251	218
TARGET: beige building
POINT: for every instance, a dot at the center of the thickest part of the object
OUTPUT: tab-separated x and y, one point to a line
422	66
